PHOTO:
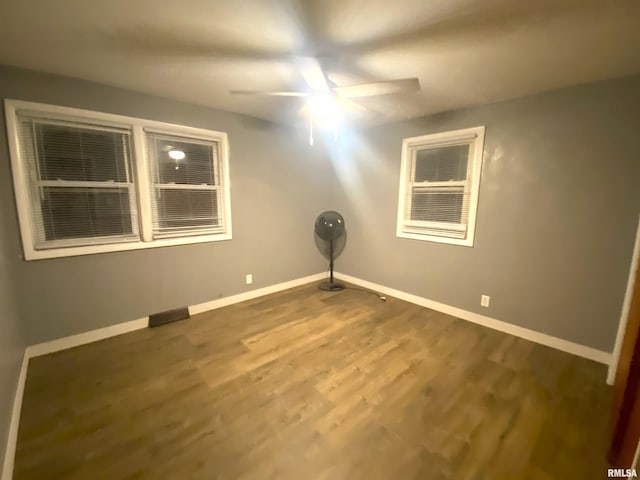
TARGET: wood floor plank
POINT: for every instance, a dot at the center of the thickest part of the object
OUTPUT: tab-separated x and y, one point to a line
315	385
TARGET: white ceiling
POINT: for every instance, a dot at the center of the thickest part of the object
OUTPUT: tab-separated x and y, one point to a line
463	51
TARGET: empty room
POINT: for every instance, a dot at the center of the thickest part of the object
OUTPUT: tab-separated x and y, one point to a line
290	239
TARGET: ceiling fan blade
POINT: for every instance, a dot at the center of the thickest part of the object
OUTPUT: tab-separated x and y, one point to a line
313	75
354	106
345	105
378	88
269	93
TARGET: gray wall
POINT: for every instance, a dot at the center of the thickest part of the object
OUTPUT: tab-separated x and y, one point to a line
12	341
277	192
557	215
558	207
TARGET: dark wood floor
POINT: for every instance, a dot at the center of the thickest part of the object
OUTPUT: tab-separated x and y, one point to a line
306	384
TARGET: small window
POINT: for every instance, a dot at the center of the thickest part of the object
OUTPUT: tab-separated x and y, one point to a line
88	182
439	183
185	189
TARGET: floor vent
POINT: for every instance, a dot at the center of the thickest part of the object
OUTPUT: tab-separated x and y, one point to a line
163	318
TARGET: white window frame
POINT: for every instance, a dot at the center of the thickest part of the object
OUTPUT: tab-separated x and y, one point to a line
474	137
140	168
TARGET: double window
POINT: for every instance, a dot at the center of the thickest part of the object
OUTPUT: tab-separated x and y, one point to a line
88	182
439	183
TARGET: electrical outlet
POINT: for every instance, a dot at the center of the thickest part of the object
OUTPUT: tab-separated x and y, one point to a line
248	279
484	300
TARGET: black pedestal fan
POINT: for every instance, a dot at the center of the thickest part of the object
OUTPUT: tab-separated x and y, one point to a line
330	237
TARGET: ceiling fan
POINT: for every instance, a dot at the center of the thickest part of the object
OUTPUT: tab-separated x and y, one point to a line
325	100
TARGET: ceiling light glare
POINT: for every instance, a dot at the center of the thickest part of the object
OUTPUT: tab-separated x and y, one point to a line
323	107
176	154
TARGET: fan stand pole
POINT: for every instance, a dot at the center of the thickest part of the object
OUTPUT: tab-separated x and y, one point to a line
331	286
331	261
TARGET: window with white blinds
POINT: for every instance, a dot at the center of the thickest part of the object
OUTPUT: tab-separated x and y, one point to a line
439	183
88	182
81	183
185	185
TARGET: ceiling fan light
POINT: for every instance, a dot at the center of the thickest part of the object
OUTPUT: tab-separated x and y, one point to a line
176	154
323	107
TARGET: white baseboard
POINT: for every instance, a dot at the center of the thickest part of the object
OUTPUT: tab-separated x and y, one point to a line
532	335
65	343
260	292
12	438
537	337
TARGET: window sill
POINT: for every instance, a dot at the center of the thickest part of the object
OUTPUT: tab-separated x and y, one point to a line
32	254
465	242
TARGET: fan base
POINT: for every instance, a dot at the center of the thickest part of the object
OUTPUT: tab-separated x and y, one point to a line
331	286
